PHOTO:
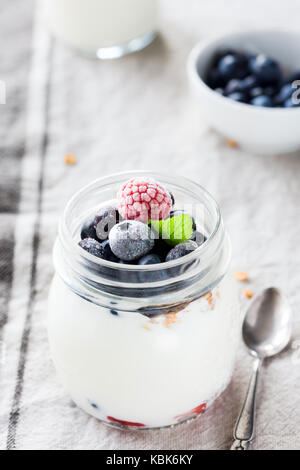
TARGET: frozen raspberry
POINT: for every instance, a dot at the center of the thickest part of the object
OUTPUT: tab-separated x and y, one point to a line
196	411
125	423
144	199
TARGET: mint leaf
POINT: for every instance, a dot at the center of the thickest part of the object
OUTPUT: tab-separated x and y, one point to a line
174	230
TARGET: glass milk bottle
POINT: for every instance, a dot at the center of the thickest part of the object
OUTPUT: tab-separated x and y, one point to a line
103	28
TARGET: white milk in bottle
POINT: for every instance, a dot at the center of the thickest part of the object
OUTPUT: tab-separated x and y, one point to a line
103	28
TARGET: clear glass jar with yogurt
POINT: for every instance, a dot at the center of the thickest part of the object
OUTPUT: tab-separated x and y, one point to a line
103	28
135	348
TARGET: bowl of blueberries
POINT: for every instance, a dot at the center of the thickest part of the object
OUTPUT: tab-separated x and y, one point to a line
248	88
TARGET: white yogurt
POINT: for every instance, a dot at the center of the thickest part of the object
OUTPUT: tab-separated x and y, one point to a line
90	25
123	366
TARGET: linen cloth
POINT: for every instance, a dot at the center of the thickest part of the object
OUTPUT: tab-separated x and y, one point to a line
135	112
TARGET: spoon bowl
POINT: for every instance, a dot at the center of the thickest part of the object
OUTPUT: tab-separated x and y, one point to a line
267	326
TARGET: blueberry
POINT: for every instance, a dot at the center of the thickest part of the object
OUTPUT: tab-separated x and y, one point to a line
127	275
256	91
234	85
214	80
107	253
289	103
251	57
233	66
248	83
294	76
88	230
182	249
95	406
270	91
121	261
284	94
262	101
265	69
156	275
130	240
161	248
93	247
105	220
199	238
151	258
153	276
222	53
114	312
172	198
220	90
238	96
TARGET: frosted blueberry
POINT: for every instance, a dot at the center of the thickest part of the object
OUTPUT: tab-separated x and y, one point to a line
88	230
130	240
182	249
93	247
105	220
198	237
107	253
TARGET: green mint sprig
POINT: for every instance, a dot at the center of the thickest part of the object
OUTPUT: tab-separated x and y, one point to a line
174	230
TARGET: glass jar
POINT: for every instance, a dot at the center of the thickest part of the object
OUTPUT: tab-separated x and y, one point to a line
103	29
144	346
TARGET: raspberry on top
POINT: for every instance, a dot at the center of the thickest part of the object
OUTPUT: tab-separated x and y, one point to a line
144	199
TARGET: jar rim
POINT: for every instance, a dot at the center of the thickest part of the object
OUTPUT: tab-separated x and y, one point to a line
186	278
65	232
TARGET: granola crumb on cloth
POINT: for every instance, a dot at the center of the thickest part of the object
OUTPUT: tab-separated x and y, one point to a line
70	159
232	143
241	276
248	293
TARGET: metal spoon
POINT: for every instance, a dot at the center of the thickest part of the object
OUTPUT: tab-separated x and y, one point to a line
266	331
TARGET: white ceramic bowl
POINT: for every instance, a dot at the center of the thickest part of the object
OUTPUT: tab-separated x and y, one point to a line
259	130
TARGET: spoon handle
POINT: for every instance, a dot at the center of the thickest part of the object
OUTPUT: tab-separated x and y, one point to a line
244	428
